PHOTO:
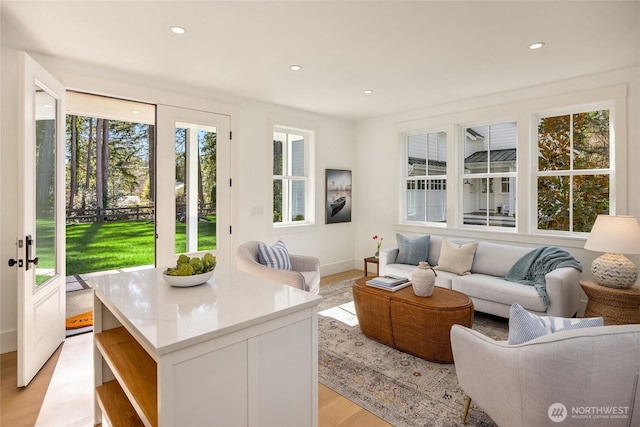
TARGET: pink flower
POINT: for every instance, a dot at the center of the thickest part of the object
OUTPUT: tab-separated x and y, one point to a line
378	242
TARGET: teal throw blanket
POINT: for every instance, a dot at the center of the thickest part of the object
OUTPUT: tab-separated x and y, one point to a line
533	266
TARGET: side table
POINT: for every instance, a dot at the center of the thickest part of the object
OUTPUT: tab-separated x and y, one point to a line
616	306
372	260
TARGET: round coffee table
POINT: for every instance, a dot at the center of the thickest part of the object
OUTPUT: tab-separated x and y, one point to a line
413	324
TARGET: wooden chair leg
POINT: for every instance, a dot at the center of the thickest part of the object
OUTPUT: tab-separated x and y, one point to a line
466	410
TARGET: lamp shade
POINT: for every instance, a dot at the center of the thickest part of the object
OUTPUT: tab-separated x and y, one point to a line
618	234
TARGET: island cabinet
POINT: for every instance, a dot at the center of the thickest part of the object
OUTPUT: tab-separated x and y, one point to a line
236	351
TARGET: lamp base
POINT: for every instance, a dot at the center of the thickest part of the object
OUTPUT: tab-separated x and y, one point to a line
614	271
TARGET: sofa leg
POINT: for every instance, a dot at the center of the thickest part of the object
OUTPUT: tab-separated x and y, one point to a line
466	410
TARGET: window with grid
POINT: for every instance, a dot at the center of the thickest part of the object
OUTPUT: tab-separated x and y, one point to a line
575	171
489	178
291	192
426	177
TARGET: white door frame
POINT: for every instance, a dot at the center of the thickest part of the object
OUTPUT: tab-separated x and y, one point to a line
166	119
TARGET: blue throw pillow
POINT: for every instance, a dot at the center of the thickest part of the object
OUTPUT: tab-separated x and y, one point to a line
276	256
525	326
412	251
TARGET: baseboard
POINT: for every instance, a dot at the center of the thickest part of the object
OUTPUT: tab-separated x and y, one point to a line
8	341
338	267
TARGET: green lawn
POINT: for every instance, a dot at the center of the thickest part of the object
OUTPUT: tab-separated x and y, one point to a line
113	245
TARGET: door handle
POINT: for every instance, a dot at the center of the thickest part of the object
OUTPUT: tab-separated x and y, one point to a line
30	261
13	262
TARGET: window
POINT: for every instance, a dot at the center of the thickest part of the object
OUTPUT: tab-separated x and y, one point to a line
195	187
488	180
426	177
574	170
291	188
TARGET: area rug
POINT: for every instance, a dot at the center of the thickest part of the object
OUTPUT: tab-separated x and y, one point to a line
399	388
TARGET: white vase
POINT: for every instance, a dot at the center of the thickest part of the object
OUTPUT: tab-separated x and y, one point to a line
423	279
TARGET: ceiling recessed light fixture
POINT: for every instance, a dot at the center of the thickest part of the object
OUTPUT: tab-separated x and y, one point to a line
178	30
536	45
295	67
135	112
368	91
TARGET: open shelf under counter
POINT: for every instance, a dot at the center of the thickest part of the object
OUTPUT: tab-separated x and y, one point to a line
134	369
213	353
116	407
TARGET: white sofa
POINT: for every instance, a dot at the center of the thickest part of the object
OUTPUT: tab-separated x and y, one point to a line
584	377
486	285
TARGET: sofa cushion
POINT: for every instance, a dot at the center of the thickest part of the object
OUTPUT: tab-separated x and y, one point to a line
525	326
402	270
491	288
495	259
276	256
444	279
456	258
412	251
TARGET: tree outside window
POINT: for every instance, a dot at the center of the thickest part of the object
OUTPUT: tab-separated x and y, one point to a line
574	170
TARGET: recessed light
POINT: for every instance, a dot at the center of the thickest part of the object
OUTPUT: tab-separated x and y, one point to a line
178	30
536	45
135	112
295	67
367	91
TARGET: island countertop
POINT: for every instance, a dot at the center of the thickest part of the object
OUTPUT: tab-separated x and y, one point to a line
168	318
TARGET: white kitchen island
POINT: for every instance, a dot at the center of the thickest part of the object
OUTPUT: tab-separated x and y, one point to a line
237	351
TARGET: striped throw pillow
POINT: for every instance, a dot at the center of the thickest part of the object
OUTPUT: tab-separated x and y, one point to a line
525	326
276	256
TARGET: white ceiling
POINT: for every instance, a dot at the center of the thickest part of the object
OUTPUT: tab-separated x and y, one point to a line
411	54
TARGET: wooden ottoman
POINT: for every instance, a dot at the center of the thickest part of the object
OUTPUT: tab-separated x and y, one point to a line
413	324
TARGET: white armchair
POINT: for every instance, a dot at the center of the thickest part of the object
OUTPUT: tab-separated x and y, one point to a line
588	371
304	273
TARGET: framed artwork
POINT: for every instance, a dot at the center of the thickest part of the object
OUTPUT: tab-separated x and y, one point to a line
338	196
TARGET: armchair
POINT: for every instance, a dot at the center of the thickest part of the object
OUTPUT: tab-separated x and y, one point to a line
579	373
304	273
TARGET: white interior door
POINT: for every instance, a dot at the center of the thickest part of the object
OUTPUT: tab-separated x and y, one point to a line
193	196
41	219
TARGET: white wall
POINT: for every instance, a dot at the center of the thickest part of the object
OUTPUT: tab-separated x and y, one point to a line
251	166
377	160
369	148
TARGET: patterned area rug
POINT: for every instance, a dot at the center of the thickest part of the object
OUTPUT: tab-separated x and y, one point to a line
403	390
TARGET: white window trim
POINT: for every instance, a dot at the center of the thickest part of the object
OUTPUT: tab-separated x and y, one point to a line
526	219
404	178
308	178
614	161
497	176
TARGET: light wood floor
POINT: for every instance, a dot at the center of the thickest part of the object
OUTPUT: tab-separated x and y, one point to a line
22	407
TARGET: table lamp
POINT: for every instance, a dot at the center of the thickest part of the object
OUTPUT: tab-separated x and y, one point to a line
615	235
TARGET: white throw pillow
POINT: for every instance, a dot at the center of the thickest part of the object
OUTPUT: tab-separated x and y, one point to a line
525	326
456	258
276	256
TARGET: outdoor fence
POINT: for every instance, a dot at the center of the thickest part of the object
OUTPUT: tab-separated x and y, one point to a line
130	213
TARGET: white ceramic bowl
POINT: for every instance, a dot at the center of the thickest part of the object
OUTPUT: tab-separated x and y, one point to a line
187	281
